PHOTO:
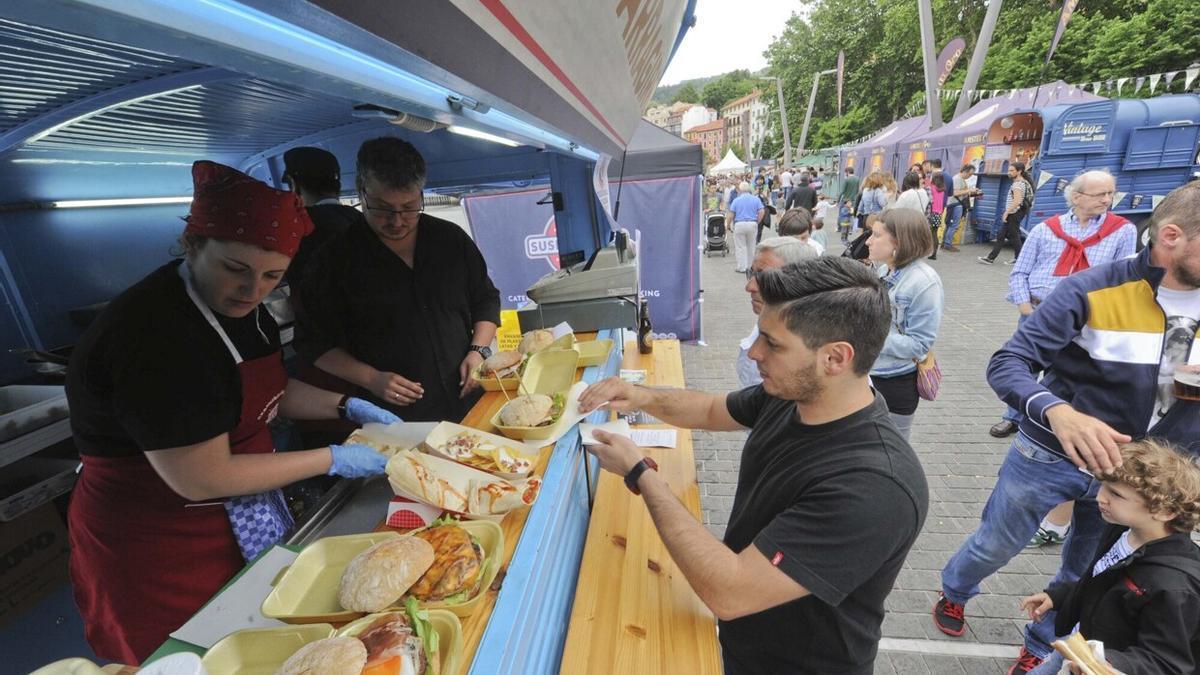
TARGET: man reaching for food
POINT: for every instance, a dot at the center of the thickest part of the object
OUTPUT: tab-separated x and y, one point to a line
829	498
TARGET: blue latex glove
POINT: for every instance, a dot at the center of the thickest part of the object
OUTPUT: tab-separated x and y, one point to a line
363	412
355	460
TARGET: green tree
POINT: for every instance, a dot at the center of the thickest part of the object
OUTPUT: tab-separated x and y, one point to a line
727	88
687	93
1106	39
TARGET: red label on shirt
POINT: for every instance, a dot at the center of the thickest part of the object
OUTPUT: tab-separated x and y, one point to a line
777	558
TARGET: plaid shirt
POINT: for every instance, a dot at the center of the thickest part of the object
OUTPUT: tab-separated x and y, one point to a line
1033	274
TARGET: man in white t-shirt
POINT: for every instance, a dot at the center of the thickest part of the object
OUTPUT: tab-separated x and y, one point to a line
785	182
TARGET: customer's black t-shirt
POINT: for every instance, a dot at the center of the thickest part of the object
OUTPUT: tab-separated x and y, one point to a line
836	507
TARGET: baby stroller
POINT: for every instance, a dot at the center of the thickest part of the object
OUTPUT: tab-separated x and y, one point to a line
714	234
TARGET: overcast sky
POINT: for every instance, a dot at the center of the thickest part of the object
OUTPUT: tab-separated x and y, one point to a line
729	34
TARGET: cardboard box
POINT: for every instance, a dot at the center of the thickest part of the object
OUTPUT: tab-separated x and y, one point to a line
33	560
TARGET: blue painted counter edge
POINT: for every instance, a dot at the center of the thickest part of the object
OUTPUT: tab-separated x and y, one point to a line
528	626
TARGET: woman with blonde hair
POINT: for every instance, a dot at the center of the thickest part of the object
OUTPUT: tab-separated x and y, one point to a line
900	240
876	194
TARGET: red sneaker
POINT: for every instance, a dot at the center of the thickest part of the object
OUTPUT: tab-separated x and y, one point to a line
1026	661
948	617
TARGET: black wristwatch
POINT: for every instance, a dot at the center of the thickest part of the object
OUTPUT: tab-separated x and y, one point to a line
485	352
631	478
341	408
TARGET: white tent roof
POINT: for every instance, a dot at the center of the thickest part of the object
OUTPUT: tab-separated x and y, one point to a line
728	164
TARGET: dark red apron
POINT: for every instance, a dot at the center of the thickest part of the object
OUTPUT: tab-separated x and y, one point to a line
144	559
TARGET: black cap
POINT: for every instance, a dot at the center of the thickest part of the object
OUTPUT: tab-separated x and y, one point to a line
308	162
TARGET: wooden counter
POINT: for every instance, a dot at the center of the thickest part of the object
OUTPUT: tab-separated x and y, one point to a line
634	611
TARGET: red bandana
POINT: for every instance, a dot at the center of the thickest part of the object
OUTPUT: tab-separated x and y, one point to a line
1074	256
228	204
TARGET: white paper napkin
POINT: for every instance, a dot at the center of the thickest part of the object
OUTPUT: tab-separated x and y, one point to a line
237	607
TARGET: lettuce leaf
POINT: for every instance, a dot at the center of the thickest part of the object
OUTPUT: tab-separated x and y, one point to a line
424	630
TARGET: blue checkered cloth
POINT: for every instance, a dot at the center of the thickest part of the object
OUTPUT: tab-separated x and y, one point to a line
258	521
1033	273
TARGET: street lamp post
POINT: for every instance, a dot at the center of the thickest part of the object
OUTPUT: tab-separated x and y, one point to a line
812	101
787	136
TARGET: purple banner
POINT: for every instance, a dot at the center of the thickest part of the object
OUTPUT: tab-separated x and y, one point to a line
518	240
949	58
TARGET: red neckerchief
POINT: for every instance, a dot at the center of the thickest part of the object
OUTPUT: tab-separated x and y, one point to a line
1074	256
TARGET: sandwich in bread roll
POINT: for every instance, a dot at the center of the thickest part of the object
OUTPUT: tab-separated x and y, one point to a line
376	578
1077	650
395	648
500	364
535	341
532	410
331	656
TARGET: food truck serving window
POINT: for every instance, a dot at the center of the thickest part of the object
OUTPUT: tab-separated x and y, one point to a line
1162	147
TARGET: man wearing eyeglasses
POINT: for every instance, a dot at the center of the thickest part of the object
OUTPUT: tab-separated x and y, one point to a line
1088	234
401	305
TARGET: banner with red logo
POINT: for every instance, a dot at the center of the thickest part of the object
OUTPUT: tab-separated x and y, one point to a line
519	241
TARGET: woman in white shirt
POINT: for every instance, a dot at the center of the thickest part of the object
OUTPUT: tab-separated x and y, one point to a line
912	195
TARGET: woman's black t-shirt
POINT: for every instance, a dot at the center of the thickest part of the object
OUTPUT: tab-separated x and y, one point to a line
151	373
834	506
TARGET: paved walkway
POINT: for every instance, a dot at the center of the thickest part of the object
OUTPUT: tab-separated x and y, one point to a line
950	435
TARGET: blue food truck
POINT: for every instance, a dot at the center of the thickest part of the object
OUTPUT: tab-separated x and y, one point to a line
1151	146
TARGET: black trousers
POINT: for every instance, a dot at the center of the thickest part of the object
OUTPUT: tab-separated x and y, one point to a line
1010	232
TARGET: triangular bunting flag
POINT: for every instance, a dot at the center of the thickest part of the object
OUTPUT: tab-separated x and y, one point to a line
1011	94
1108	85
1096	87
1121	83
1191	77
1137	85
1167	79
1155	200
1117	198
1154	82
1043	178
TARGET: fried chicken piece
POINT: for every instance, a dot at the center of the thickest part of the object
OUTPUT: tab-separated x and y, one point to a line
456	566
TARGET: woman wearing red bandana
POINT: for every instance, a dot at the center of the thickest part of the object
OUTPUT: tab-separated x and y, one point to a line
171	390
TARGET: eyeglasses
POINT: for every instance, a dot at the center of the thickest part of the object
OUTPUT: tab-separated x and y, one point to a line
1110	193
388	214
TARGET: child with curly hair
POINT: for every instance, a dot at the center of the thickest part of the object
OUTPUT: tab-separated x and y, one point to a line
1141	596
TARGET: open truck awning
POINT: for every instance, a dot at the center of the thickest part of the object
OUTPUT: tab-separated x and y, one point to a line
573	75
585	68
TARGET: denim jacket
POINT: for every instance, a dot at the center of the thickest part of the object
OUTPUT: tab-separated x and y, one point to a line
915	291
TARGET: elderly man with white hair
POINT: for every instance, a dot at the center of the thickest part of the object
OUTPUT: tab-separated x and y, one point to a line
1088	234
770	253
744	213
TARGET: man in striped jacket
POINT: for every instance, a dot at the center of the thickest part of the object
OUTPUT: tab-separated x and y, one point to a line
1108	340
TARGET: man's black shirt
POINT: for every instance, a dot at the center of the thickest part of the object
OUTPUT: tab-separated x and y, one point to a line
416	322
803	196
834	506
329	221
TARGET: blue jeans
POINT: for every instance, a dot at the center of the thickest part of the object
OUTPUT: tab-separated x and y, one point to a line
1032	481
1051	666
953	210
1011	414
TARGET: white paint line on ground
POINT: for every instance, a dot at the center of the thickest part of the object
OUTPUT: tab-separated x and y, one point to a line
946	648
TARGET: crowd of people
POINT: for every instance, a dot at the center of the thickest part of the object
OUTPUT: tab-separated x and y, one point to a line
1105	447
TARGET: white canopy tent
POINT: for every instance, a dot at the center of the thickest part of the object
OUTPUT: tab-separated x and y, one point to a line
728	164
